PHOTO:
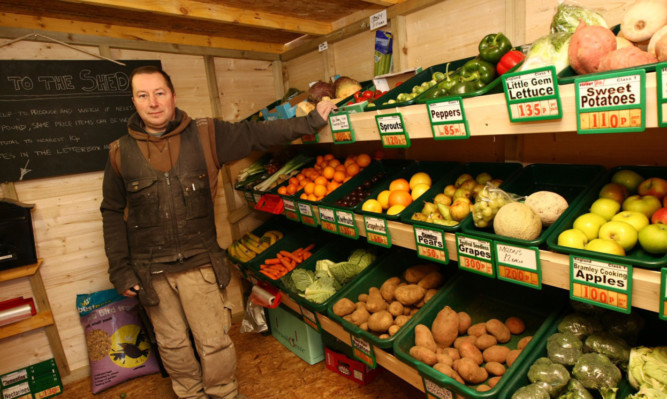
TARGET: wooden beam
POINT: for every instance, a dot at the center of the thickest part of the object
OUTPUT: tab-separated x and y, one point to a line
384	3
210	11
212	82
357	27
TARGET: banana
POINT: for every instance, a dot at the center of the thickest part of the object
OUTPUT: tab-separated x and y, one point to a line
273	235
253	237
245	250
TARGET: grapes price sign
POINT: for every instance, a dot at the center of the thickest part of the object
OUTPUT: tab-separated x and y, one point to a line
608	285
392	131
328	219
475	255
291	211
346	224
520	265
431	244
663	293
377	232
307	215
532	95
363	350
611	103
661	76
448	120
341	128
435	391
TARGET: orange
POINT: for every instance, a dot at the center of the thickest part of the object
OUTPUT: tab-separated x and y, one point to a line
339	176
340	168
328	172
420	178
282	190
371	205
294	181
320	190
363	160
332	185
328	157
291	189
321	180
399	197
300	176
309	188
352	169
400	185
383	198
319	159
333	163
350	159
303	196
312	197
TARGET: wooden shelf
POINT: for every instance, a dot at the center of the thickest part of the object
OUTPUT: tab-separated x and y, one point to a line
20	271
39	320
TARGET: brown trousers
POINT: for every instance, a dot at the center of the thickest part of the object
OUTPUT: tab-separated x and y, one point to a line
191	300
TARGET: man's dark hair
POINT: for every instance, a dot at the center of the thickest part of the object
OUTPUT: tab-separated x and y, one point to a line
148	69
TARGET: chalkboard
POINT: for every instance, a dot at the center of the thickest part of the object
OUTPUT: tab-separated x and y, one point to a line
59	117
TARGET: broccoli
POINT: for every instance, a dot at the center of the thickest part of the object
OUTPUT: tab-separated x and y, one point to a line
532	391
552	376
564	348
626	326
596	371
575	390
579	325
615	348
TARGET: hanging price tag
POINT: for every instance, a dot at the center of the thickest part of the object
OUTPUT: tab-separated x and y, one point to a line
346	224
608	285
378	20
532	95
614	103
661	76
448	120
291	211
328	219
341	128
435	391
520	265
306	214
475	255
310	318
310	138
363	350
431	244
663	293
377	232
392	131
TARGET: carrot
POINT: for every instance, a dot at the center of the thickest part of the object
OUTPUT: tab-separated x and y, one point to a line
309	247
290	255
306	255
272	261
286	263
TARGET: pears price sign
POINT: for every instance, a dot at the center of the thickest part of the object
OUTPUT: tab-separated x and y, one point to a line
430	244
532	95
448	120
611	103
392	131
608	285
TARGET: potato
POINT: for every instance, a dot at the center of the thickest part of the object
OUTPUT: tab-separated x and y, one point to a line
429	294
468	349
493	381
511	356
415	273
380	321
424	337
515	325
364	326
384	336
464	322
432	280
424	355
388	287
464	338
483	388
485	341
393	329
358	317
452	352
445	327
448	371
495	368
523	342
444	358
477	329
495	353
344	307
409	294
396	308
375	302
401	320
499	330
413	311
362	297
470	371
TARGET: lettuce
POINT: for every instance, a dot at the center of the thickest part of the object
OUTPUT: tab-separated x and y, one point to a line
319	291
302	279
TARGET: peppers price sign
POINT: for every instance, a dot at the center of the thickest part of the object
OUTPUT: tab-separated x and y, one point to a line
612	103
448	120
475	255
520	265
663	293
608	285
392	131
532	95
661	76
341	128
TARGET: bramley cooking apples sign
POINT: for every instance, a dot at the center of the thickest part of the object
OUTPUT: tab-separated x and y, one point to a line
58	117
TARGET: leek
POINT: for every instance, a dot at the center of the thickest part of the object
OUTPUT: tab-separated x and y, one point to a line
292	165
257	167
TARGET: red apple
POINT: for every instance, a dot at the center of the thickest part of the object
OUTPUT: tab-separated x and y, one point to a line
654	186
646	204
615	191
660	216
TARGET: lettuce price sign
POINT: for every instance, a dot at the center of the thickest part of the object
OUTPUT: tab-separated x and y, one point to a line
608	285
448	120
611	103
532	95
392	131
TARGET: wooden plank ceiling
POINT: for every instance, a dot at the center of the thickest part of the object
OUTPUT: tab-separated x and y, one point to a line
285	28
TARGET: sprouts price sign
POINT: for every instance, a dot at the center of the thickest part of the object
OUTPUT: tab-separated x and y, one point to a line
448	120
341	128
532	95
608	285
392	131
611	103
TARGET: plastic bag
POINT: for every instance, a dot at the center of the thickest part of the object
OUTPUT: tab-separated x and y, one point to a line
254	319
490	200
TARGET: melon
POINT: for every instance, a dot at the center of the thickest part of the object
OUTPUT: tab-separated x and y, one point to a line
547	205
517	220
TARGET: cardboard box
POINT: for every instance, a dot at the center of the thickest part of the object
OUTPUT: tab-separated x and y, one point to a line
38	381
351	369
388	81
296	335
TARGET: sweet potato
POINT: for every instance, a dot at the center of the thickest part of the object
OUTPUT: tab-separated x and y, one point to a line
499	330
424	355
344	307
415	273
445	327
409	294
464	322
380	321
625	57
515	325
424	337
588	45
495	353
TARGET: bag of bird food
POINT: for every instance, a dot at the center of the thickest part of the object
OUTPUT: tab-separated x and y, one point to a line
118	347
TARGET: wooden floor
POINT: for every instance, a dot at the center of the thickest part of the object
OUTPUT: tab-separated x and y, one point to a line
266	370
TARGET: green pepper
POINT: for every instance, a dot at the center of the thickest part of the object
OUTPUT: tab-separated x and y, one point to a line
462	87
477	69
493	47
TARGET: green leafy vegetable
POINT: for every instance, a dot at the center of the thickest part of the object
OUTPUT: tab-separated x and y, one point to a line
302	279
648	393
319	291
549	375
548	50
596	371
648	368
564	348
568	16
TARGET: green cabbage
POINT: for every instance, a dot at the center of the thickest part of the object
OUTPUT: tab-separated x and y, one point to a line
648	393
567	18
549	50
648	368
302	279
319	291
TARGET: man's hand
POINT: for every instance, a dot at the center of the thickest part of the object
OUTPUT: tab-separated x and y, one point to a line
324	108
130	292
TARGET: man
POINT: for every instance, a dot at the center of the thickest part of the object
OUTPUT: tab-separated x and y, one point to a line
159	228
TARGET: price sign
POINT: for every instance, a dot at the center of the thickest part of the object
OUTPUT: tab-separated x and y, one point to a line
291	211
435	391
346	224
307	215
520	265
310	318
614	103
323	46
392	131
431	244
448	120
377	232
475	255
608	285
532	95
341	128
310	138
661	76
378	20
328	219
363	350
663	293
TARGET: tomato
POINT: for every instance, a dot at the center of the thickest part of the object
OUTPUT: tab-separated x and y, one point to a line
398	84
350	102
357	96
367	94
377	93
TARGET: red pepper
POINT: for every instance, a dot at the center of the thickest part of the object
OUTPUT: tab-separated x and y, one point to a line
509	60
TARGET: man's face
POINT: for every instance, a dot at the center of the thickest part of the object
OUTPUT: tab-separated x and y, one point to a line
155	103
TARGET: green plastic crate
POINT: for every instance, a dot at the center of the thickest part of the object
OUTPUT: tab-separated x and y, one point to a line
498	170
570	181
436	170
396	261
483	299
637	256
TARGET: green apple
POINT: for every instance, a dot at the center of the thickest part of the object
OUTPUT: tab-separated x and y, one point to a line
605	207
606	246
483	177
615	191
634	218
572	238
646	204
623	233
628	178
589	224
653	238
